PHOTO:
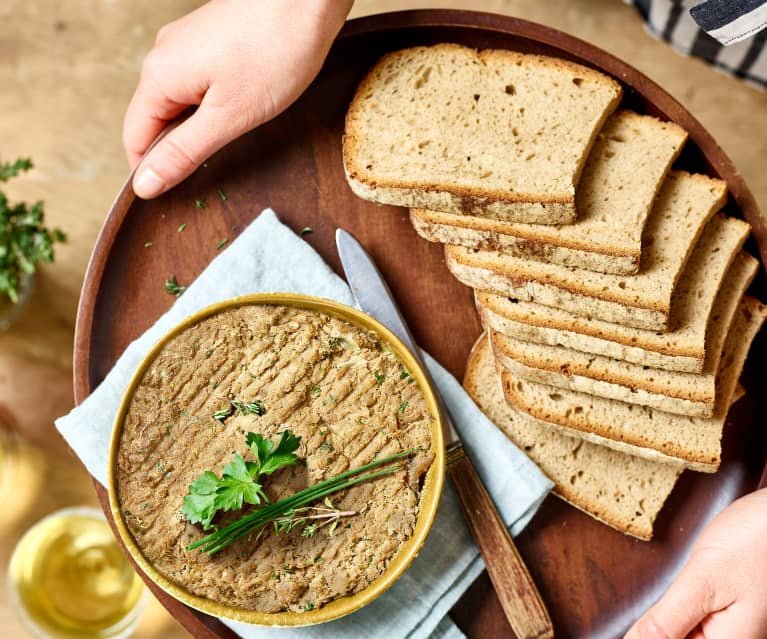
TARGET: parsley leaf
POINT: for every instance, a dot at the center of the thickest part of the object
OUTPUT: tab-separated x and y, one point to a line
239	483
270	460
200	504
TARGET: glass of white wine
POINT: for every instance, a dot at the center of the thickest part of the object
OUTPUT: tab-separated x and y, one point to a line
69	579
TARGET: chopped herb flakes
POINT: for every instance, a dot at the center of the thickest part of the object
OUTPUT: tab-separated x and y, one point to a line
222	195
306	230
148	244
402	408
221	244
243	408
181	228
200	203
173	287
315	390
380	377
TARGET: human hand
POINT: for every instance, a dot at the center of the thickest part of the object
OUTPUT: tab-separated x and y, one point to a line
721	592
242	61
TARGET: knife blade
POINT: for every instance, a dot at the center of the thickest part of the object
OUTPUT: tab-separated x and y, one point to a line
517	593
372	294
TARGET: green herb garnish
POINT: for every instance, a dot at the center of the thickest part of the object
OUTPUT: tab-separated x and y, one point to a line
173	287
305	230
255	407
222	195
380	377
12	169
24	240
285	514
148	244
402	407
239	482
200	203
181	228
221	244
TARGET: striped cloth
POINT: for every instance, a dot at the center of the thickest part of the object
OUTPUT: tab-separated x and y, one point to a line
729	34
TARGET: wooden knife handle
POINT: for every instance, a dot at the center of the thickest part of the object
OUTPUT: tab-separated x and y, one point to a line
513	584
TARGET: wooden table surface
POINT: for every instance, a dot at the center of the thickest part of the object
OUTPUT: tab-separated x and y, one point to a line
68	70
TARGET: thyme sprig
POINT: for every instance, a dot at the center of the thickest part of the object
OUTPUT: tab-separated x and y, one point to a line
318	518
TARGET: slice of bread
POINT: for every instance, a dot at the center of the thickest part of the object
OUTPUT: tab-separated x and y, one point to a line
674	392
681	349
625	169
683	206
622	491
642	431
681	393
494	133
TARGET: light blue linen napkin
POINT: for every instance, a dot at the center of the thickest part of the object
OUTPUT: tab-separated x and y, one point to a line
268	256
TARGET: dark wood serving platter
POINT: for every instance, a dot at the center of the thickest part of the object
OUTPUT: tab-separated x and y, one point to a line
595	581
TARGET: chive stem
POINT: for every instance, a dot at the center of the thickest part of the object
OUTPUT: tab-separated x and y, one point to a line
260	518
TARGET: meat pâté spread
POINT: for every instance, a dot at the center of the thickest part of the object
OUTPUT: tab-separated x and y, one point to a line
332	383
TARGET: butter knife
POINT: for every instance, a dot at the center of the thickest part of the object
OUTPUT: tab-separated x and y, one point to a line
517	593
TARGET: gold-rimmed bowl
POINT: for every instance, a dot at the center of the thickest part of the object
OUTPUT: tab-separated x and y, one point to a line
430	493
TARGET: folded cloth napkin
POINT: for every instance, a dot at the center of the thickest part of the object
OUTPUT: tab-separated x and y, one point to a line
268	256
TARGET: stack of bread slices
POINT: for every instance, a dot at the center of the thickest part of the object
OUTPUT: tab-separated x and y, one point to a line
611	287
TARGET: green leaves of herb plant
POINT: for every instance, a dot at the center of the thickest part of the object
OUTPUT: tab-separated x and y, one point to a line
24	240
200	504
269	460
239	483
12	169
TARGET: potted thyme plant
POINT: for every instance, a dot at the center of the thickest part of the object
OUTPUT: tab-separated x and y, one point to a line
24	242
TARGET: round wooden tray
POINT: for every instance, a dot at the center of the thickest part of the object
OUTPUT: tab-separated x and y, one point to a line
594	580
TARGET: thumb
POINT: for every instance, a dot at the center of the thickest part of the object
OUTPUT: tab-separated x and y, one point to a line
184	149
684	605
